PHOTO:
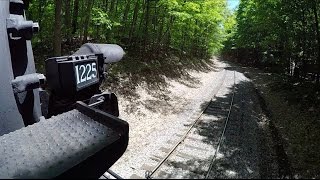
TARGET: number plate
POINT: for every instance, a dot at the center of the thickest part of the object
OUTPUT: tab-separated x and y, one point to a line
67	75
86	73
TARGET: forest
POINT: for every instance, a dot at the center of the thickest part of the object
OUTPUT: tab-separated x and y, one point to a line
281	37
280	34
146	29
162	37
283	34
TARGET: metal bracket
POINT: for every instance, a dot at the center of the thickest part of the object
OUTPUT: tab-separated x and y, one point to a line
27	82
19	27
106	102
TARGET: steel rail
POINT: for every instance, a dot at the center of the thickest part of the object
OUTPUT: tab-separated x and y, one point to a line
149	174
221	139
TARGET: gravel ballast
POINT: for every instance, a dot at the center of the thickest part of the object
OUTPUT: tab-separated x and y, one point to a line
158	122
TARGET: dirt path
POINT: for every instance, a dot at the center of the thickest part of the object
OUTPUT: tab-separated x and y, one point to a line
156	117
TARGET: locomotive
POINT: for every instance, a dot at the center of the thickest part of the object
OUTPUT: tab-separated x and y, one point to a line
59	124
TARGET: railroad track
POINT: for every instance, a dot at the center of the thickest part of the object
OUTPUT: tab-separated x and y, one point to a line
226	138
220	140
197	149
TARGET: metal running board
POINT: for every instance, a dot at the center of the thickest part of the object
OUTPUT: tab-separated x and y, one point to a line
64	145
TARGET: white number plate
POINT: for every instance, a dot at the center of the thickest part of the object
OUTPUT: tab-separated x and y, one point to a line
86	74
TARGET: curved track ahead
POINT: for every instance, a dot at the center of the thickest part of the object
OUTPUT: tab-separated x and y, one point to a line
210	107
226	138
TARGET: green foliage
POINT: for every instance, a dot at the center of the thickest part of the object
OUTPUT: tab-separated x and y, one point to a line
193	27
101	18
278	33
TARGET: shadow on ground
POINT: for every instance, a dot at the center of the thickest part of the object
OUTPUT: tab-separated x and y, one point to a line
126	76
244	153
293	109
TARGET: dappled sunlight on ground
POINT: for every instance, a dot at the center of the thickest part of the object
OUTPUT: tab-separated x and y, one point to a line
159	112
294	117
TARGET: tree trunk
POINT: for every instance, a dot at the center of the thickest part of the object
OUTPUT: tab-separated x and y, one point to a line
40	15
68	20
114	13
57	29
142	19
75	16
161	29
316	19
304	42
195	41
146	30
112	3
82	18
115	7
125	16
155	24
87	20
134	20
168	31
106	5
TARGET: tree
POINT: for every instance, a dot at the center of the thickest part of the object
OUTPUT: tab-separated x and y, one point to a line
67	18
87	20
192	27
75	16
57	29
